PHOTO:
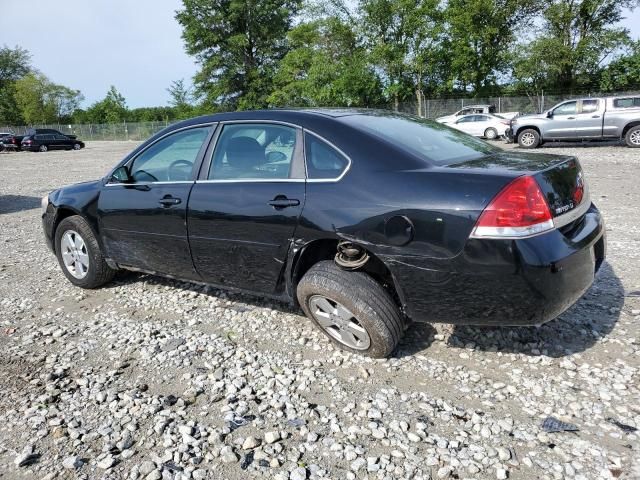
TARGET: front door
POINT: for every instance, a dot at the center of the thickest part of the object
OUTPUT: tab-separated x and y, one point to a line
563	122
143	220
244	208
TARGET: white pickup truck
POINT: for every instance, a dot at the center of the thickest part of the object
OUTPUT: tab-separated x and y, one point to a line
582	119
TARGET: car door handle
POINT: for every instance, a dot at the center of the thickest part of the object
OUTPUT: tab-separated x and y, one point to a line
282	201
595	116
571	118
168	201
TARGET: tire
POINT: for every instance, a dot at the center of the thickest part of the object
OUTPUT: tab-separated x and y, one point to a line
371	306
490	133
632	137
77	146
529	138
43	148
97	272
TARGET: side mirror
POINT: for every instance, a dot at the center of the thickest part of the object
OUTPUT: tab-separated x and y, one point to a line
550	114
121	175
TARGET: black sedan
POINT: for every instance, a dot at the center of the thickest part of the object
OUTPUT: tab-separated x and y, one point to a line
42	142
367	220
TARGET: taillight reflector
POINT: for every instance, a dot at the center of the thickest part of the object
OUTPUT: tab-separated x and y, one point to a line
519	210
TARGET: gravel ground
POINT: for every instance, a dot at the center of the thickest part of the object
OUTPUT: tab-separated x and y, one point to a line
158	379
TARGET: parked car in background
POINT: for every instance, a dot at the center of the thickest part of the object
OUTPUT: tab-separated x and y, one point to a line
48	131
482	125
305	206
43	142
474	109
582	119
10	142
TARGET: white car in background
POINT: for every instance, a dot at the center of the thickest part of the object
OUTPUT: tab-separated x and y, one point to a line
482	125
475	109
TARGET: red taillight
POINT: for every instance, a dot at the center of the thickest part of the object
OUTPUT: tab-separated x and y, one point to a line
519	210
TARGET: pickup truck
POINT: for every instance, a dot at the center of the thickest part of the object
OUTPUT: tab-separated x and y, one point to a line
474	109
582	119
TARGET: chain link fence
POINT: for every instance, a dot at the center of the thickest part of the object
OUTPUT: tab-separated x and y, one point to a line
427	108
107	131
439	107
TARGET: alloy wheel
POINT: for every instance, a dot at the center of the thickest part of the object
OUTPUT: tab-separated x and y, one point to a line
76	146
527	139
74	254
635	137
339	322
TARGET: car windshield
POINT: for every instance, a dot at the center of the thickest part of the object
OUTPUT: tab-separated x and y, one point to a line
433	142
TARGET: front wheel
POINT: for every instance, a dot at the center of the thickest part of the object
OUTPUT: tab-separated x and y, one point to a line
632	138
490	133
352	309
77	146
43	148
529	138
79	254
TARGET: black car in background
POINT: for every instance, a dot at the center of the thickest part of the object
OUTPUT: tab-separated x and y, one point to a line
48	131
42	142
366	219
10	142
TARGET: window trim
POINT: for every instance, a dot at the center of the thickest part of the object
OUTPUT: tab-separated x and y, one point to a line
332	145
296	160
197	162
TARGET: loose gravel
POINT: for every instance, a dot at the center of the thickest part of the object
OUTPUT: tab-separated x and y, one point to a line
151	378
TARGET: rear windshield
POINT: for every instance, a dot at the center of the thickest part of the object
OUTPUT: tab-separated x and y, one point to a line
433	142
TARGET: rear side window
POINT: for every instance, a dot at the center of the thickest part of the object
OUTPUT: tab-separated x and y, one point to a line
589	106
323	161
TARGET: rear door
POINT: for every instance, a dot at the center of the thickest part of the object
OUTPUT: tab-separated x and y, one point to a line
563	122
143	221
245	206
589	118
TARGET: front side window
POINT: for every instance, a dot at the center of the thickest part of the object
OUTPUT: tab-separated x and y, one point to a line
253	152
323	161
568	108
170	159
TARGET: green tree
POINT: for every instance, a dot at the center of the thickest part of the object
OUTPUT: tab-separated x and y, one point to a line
575	41
404	38
41	101
238	44
325	67
181	99
624	72
480	33
15	63
111	109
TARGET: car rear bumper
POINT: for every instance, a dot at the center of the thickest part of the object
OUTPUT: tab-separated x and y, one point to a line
505	282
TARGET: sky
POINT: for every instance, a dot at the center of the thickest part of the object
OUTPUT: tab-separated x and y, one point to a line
133	44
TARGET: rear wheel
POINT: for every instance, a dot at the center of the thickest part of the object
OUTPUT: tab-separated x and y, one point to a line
352	309
43	148
632	138
490	133
76	146
79	254
529	138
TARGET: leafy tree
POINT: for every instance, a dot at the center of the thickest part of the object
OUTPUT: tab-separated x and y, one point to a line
41	101
238	44
624	72
181	99
325	67
575	41
480	33
404	40
15	63
111	109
